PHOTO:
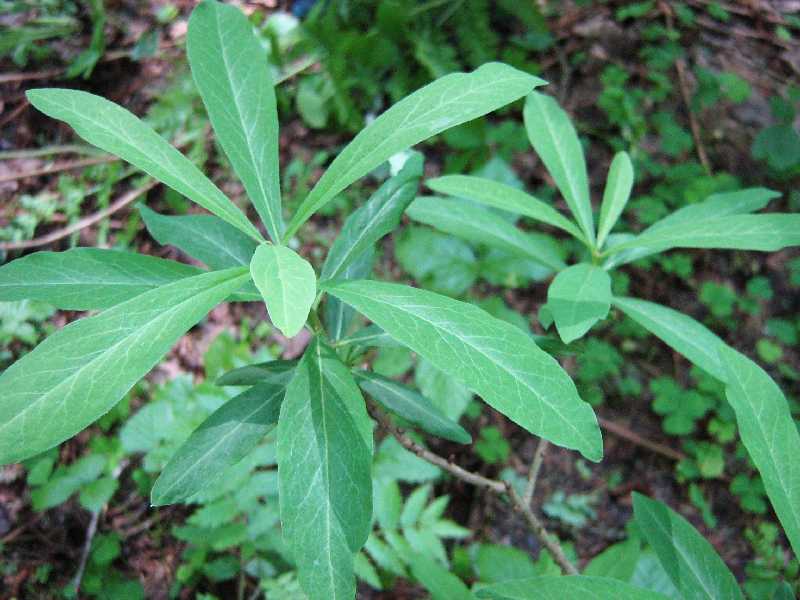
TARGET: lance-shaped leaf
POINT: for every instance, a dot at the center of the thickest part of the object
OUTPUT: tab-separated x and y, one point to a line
475	224
504	197
204	237
559	588
379	216
288	284
228	435
339	316
113	129
717	205
578	297
81	371
370	336
615	195
766	233
87	278
275	372
690	561
722	204
554	138
230	68
770	435
324	473
411	406
440	582
495	359
447	102
679	331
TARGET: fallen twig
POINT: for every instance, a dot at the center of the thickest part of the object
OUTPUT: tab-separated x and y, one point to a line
121	202
48	151
533	474
75	164
635	438
499	487
683	84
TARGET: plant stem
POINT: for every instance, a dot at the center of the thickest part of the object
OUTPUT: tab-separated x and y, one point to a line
499	487
533	474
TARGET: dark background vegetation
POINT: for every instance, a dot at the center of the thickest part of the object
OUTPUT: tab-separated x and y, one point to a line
702	94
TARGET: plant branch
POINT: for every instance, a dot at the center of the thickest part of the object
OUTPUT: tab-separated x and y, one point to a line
635	438
499	487
69	166
433	458
683	85
538	528
121	202
533	474
87	548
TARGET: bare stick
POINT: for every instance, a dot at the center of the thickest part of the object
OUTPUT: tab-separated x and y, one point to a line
121	202
76	164
87	547
541	532
499	487
433	458
683	84
533	474
635	438
47	151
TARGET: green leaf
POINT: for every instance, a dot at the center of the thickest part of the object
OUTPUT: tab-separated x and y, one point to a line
86	278
495	359
113	129
275	372
447	102
578	297
231	70
442	584
204	237
411	406
680	332
553	137
561	588
764	232
770	435
717	205
615	195
504	197
690	561
617	561
338	316
324	471
437	261
475	224
288	284
370	336
379	216
224	438
81	371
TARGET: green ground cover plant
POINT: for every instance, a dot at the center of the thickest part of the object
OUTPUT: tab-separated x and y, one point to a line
308	417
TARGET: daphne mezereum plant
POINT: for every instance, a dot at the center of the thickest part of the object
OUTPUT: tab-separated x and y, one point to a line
324	433
580	295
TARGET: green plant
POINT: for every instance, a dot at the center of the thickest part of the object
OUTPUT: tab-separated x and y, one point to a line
309	416
324	438
581	295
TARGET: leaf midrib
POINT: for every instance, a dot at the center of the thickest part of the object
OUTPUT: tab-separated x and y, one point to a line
237	103
220	441
71	378
489	358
